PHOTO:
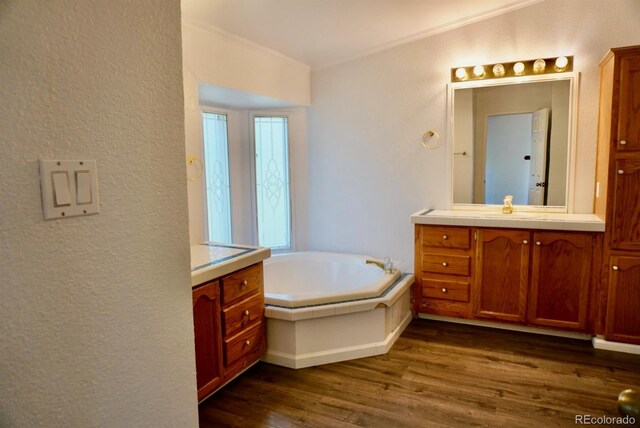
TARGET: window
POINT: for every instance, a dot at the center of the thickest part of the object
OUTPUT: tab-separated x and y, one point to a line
216	161
273	202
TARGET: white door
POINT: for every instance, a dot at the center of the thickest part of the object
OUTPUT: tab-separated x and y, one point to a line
538	168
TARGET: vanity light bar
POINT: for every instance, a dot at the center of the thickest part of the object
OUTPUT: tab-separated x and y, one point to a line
511	69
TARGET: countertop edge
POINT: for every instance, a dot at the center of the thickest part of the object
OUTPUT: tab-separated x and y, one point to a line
201	276
547	221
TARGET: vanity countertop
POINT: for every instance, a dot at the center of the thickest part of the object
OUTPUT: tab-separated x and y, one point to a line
516	220
211	260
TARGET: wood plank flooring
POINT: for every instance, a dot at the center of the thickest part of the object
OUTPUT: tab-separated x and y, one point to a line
436	374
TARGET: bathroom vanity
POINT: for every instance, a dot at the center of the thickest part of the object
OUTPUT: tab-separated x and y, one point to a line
539	266
531	269
228	311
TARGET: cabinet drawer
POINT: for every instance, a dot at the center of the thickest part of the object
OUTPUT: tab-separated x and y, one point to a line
242	344
446	237
447	290
242	314
446	264
241	284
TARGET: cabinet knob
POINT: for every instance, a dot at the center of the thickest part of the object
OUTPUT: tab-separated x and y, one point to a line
525	242
445	264
247	342
246	313
445	237
623	142
614	267
621	171
538	243
244	282
444	290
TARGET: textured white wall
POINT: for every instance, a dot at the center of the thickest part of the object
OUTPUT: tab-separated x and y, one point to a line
95	316
211	58
367	169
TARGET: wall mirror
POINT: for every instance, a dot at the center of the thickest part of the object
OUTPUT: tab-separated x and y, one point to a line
513	136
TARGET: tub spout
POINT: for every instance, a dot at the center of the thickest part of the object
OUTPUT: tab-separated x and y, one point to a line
386	266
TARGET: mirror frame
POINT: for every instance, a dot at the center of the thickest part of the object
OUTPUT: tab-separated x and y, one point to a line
574	88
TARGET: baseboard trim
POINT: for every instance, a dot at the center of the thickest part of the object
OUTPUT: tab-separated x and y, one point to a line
521	328
615	346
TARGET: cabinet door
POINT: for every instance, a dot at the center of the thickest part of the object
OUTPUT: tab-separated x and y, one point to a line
623	306
560	279
629	108
208	338
626	210
502	274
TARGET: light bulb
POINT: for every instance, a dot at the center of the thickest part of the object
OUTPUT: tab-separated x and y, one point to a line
478	71
538	66
518	68
498	70
461	73
562	62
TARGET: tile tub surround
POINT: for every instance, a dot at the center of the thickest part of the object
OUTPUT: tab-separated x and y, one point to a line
517	220
322	334
211	260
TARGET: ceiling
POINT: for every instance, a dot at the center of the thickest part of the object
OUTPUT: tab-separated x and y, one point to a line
322	33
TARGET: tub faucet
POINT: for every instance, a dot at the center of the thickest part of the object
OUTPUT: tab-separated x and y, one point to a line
386	266
507	208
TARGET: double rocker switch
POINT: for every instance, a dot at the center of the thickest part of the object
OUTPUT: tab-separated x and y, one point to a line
69	188
61	188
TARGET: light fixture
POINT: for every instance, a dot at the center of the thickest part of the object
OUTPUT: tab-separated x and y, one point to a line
538	66
512	69
562	62
518	68
461	73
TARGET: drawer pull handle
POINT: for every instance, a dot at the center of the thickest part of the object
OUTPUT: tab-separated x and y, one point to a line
246	313
444	290
615	268
621	171
244	282
445	264
623	142
538	243
525	242
247	342
445	237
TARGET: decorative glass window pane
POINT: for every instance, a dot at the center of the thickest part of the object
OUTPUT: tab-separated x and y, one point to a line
272	182
216	161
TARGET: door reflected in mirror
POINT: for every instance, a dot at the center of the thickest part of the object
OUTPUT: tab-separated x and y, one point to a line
511	139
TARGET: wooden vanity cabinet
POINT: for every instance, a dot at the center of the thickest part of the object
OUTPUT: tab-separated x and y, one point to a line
444	268
502	274
538	278
617	190
560	279
229	327
208	339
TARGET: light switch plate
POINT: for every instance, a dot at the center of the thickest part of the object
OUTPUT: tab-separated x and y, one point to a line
82	182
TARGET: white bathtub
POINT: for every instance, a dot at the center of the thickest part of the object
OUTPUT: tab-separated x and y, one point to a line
328	307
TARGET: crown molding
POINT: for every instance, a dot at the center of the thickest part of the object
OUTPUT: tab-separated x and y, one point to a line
432	32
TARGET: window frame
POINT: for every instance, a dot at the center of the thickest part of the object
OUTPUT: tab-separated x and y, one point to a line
219	111
254	196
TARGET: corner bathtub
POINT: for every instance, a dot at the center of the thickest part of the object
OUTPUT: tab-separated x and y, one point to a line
327	307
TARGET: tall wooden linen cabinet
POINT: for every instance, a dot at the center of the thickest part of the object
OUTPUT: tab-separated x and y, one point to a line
618	193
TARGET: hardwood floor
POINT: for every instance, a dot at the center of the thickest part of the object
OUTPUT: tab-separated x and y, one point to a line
436	374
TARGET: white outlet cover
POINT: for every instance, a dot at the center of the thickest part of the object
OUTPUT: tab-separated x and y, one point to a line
88	189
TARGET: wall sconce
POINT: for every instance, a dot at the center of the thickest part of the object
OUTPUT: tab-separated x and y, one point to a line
510	69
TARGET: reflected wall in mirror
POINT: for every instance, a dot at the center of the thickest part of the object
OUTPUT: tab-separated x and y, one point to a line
512	138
